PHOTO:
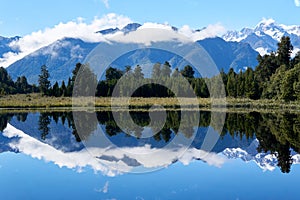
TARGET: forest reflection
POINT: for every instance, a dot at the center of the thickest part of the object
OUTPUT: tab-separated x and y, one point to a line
277	133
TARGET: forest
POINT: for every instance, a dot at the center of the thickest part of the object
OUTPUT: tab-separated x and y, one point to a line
277	76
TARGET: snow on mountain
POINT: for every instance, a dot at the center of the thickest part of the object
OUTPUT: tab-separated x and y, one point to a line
238	51
60	57
126	29
264	160
265	36
237	36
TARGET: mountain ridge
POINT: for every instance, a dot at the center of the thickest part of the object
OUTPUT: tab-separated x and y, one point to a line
61	57
265	36
235	49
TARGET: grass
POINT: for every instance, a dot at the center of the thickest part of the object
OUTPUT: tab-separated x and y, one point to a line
37	101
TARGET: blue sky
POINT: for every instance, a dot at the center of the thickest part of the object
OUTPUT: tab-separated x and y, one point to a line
24	17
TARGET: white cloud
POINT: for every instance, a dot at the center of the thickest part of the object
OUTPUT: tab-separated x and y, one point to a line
149	33
106	3
87	32
155	32
91	156
75	29
297	3
210	31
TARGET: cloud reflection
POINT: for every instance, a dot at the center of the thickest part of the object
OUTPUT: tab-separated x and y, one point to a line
111	161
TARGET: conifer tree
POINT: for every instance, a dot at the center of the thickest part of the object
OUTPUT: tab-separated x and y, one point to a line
44	83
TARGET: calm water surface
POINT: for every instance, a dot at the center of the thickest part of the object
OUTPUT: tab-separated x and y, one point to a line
54	155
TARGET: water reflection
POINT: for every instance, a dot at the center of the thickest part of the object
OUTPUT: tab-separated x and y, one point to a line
269	139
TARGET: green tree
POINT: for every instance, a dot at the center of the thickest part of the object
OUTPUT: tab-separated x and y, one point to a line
6	84
44	83
69	89
287	89
86	82
188	72
156	72
284	51
137	73
113	74
22	85
166	69
63	89
240	84
231	83
56	90
251	86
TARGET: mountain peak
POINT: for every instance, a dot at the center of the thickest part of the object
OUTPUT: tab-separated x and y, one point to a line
266	22
265	35
131	27
126	29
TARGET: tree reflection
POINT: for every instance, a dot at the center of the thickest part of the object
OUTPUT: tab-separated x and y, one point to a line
4	119
277	133
44	121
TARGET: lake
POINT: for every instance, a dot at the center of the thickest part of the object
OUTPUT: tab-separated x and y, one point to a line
128	155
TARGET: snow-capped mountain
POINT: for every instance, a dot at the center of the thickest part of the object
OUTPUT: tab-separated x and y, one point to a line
235	49
62	56
128	28
265	36
265	161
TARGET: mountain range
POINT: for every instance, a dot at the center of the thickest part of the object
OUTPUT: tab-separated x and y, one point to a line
265	36
235	49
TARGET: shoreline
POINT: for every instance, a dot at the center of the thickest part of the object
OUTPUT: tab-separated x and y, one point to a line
39	102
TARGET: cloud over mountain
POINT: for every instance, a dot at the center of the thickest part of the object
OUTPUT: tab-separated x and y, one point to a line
89	32
72	29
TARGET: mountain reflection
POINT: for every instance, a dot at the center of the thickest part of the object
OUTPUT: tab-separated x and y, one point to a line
269	139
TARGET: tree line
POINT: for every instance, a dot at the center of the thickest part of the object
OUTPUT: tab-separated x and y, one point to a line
277	76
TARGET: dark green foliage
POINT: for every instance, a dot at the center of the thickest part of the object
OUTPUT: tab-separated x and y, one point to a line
287	89
188	72
137	73
113	73
44	83
250	85
63	89
166	70
232	83
6	83
56	90
44	121
277	76
156	71
240	85
284	51
22	86
85	81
